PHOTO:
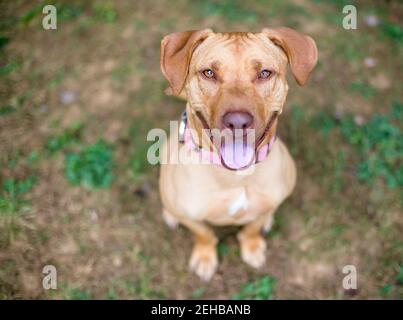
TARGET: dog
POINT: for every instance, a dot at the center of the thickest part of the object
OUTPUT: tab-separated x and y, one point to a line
232	81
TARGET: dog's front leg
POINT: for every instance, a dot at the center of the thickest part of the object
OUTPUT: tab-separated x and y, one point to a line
253	244
203	260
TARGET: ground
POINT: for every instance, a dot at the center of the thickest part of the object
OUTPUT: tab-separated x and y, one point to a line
77	192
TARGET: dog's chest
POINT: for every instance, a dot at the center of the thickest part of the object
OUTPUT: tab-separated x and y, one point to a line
237	206
239	203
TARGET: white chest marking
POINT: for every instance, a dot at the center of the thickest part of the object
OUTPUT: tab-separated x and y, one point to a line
240	203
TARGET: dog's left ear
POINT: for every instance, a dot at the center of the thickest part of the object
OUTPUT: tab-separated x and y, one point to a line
176	52
300	49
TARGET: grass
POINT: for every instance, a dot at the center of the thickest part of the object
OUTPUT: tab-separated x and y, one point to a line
222	249
68	11
4	41
105	12
112	294
138	163
5	110
14	104
378	143
394	289
91	167
57	77
399	277
323	122
198	293
69	137
139	288
386	290
30	14
393	31
260	289
14	207
33	157
73	293
11	198
365	89
121	73
229	10
9	68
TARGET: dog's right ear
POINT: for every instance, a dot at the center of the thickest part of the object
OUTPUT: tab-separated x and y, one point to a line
176	52
300	49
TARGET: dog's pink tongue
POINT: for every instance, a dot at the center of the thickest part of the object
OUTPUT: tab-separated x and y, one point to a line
237	154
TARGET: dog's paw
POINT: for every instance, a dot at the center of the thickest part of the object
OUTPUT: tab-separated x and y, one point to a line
170	220
253	251
204	261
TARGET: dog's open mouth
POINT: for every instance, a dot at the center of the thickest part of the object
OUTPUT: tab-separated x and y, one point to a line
239	151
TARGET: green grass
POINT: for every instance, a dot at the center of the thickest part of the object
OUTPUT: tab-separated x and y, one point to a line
261	289
92	166
111	294
365	89
337	3
7	69
14	104
386	290
198	293
76	294
339	164
140	288
7	109
394	288
399	277
68	11
105	12
294	12
70	136
138	163
32	158
121	73
230	10
3	42
222	249
14	207
30	14
12	195
57	77
323	122
378	143
393	31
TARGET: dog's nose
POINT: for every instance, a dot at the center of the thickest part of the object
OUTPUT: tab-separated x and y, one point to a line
237	120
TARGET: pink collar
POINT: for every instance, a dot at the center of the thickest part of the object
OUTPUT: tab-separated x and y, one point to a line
185	136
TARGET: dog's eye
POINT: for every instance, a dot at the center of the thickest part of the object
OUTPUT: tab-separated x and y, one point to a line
208	73
265	74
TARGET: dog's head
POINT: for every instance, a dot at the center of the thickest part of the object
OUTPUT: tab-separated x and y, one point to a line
236	81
